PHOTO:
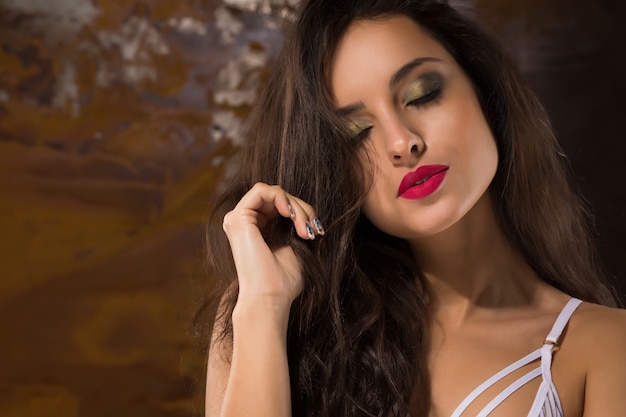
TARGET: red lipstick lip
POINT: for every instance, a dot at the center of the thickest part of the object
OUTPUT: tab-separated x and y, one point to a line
422	182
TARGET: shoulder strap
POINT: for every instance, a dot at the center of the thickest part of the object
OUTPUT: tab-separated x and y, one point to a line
561	321
549	391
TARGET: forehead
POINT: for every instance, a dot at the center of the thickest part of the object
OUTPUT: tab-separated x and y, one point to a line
373	49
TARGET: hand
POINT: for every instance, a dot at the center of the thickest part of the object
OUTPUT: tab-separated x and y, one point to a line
270	276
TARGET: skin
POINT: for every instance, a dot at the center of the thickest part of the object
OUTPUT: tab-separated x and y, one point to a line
430	116
491	309
269	281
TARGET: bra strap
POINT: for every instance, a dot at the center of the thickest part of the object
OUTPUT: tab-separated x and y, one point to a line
508	391
561	322
544	352
495	378
551	341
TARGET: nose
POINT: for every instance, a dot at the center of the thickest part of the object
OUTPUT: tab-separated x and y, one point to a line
402	143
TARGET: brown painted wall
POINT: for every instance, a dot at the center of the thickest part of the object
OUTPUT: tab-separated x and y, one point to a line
573	52
115	119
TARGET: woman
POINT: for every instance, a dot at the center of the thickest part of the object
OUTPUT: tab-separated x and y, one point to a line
452	241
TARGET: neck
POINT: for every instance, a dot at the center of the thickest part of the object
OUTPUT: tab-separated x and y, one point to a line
472	266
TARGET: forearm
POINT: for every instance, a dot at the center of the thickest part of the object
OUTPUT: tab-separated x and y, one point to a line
255	381
258	382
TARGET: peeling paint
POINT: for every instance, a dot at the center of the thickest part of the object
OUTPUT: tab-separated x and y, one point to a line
261	6
238	81
56	20
137	40
226	124
66	90
133	34
246	5
228	25
188	26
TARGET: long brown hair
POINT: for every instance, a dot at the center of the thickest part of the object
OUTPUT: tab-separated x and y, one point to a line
357	335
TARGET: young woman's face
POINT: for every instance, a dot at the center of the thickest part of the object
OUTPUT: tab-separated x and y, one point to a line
417	116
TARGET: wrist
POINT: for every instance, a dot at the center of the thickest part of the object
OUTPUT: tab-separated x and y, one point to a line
260	313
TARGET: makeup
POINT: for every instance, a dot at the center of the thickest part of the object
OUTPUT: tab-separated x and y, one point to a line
360	129
357	126
425	89
422	182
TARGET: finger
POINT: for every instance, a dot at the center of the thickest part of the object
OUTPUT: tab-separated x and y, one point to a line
319	228
268	200
271	200
307	224
300	219
311	216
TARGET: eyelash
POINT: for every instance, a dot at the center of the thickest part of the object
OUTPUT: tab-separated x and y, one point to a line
427	98
362	135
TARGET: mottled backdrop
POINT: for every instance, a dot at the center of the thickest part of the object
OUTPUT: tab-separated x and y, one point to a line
116	122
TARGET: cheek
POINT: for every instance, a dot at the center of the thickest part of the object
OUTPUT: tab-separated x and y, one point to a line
474	144
371	179
379	215
484	155
380	205
367	164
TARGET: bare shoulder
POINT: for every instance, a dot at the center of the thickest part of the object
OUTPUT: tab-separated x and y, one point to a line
602	327
600	335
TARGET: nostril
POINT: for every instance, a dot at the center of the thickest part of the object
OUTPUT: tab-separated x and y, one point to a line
414	148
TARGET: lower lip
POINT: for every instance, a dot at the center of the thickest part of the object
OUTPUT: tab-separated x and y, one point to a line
426	188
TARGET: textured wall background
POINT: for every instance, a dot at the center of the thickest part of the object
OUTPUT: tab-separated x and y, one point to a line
116	122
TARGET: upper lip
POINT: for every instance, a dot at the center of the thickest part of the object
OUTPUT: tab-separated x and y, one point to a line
420	174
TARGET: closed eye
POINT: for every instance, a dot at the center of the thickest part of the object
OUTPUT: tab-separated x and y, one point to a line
424	90
426	98
363	135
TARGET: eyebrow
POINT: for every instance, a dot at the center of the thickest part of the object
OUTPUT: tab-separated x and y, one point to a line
406	69
393	81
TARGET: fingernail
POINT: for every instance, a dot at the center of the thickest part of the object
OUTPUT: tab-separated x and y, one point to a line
318	226
291	212
309	230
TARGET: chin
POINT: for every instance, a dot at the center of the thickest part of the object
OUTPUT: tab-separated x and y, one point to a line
418	229
447	214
